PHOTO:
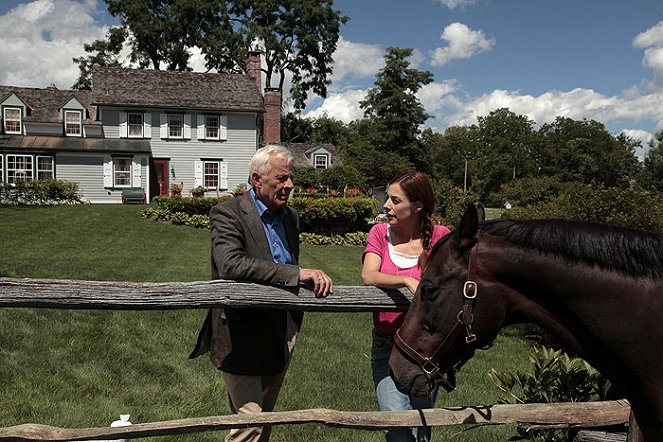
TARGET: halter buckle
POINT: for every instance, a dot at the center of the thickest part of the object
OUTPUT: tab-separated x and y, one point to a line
429	367
470	286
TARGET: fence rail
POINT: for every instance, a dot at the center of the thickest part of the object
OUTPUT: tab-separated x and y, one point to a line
77	294
559	415
114	295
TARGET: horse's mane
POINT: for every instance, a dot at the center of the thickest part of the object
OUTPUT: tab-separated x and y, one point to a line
636	253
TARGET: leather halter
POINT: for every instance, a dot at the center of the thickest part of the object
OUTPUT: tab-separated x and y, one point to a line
430	364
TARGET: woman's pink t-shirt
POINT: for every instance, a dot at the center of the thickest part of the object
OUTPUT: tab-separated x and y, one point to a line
389	322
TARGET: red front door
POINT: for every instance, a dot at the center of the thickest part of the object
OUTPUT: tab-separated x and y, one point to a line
161	172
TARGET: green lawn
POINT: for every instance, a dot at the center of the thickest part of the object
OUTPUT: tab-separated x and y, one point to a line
80	368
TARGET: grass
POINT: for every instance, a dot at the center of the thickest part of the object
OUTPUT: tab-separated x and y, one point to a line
82	368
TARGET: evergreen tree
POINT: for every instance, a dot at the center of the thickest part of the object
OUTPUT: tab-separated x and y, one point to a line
394	109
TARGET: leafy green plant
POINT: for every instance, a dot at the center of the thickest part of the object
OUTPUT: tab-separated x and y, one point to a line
347	239
555	377
39	192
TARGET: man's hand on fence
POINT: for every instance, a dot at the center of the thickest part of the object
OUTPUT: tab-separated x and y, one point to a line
322	283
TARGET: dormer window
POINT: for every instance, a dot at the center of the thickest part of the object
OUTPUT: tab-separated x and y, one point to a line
72	123
321	161
135	125
175	126
12	120
212	127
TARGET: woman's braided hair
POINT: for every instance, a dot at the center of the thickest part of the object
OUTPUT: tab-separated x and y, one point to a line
417	187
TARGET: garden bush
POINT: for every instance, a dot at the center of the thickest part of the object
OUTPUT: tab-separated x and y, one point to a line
189	206
347	239
528	191
629	208
450	202
39	192
334	215
555	377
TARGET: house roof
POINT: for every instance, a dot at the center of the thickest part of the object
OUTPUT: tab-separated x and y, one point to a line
177	90
74	144
302	152
45	104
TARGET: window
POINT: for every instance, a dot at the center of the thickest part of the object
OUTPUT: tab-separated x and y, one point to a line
72	122
320	161
12	119
175	126
135	125
19	168
45	168
212	127
211	174
121	172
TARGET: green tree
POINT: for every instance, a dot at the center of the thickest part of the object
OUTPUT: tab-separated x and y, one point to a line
449	152
586	152
394	109
103	53
296	36
653	164
504	142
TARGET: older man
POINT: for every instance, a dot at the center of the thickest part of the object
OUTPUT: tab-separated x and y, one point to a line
256	238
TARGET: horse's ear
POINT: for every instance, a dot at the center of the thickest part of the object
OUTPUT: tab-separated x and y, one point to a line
481	213
468	227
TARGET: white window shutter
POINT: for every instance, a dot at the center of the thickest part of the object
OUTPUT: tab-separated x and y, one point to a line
201	127
124	127
198	174
135	169
223	171
223	127
187	126
164	125
147	125
108	172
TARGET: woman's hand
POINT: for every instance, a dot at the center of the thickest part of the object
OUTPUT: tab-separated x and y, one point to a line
411	284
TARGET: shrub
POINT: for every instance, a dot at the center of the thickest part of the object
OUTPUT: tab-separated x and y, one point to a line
190	206
347	239
39	192
556	377
528	191
335	215
450	202
629	208
340	177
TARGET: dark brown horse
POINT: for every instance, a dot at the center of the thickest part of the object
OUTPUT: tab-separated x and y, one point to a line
598	288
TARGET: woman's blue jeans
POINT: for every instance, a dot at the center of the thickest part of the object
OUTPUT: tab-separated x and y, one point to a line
390	399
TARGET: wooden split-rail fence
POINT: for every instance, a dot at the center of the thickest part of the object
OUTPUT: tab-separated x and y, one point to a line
75	294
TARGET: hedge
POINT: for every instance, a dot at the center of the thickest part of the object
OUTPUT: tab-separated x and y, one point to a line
327	216
39	192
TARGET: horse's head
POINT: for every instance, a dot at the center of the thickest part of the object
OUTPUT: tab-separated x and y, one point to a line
448	318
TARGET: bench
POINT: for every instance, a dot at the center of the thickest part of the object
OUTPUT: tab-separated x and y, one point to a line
133	195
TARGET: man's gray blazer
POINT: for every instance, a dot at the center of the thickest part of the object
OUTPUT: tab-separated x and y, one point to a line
248	341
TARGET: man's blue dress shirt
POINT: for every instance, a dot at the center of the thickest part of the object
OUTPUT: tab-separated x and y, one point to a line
275	231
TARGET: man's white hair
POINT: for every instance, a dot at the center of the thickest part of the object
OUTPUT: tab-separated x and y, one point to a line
260	161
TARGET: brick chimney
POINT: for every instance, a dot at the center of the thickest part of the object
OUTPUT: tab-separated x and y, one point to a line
272	119
253	60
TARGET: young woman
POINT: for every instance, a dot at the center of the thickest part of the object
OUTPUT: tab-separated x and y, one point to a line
394	258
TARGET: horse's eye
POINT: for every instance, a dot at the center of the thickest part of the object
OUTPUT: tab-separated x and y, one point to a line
428	292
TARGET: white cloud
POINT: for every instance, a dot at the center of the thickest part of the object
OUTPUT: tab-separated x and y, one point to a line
435	96
640	135
355	60
342	106
452	4
462	42
577	104
39	39
651	41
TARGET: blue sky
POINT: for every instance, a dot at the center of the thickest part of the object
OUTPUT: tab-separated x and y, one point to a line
593	59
